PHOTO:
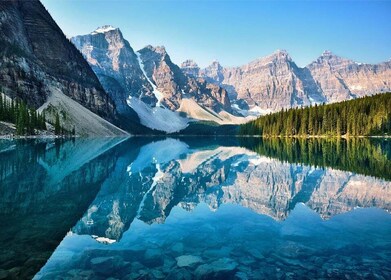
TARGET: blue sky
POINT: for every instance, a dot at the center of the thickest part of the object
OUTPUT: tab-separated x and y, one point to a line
236	32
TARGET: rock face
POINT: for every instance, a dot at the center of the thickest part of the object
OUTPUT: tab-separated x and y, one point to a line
148	76
276	82
341	79
116	65
36	57
174	85
190	68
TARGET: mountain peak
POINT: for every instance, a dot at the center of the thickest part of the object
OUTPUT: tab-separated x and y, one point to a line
281	51
283	54
158	49
328	54
104	29
189	63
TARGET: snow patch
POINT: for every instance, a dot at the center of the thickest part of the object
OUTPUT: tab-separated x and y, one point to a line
157	118
356	87
256	110
159	95
103	29
104	240
158	176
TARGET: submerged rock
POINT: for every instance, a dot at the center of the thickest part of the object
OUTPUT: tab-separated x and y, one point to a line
187	260
216	268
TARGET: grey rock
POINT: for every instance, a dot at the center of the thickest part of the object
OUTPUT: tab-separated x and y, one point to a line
188	260
35	57
275	82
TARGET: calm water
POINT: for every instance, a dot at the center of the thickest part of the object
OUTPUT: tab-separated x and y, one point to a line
193	208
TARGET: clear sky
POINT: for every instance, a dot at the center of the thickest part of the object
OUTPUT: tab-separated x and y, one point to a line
236	32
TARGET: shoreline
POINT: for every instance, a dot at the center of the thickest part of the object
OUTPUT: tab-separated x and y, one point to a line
16	137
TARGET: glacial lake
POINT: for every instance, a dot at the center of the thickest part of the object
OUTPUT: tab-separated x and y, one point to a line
195	208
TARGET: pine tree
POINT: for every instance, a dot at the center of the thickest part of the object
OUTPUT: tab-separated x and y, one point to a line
57	126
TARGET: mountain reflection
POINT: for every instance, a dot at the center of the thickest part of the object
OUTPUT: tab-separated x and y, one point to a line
166	173
45	187
107	188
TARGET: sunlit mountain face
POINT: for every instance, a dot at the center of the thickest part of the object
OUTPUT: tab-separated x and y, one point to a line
197	208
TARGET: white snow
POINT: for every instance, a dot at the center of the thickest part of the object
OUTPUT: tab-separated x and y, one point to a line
157	118
158	176
103	29
253	112
258	110
159	95
104	240
356	87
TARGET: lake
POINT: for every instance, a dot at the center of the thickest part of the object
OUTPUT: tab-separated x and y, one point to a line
195	208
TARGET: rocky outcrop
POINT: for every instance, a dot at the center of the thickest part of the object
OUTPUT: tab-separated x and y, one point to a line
275	82
340	79
190	68
174	85
36	57
116	65
148	86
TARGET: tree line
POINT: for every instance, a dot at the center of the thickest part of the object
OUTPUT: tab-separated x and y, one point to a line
27	120
370	115
367	156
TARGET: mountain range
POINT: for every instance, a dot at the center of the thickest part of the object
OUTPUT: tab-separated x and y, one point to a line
274	82
99	85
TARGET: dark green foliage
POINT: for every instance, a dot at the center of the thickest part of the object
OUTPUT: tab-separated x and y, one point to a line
26	119
365	116
57	126
360	155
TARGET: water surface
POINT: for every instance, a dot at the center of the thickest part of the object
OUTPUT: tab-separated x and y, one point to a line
164	208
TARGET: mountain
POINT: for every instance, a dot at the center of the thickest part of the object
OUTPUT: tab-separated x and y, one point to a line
149	83
39	65
274	82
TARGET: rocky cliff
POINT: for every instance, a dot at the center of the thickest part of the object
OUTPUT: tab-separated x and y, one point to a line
275	82
149	83
37	59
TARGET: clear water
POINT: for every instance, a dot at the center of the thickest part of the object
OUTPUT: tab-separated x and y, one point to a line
193	208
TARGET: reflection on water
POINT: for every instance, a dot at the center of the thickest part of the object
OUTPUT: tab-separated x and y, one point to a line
194	208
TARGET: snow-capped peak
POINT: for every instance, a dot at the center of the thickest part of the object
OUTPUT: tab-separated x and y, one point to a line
104	29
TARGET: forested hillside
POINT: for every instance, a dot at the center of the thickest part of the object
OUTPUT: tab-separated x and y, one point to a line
359	117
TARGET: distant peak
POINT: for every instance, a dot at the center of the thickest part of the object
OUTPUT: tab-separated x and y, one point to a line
279	51
104	29
189	63
215	64
157	49
280	54
327	53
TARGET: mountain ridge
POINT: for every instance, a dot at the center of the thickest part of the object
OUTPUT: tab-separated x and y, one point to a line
270	83
150	84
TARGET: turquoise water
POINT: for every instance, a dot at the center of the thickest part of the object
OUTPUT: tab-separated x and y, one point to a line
192	208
